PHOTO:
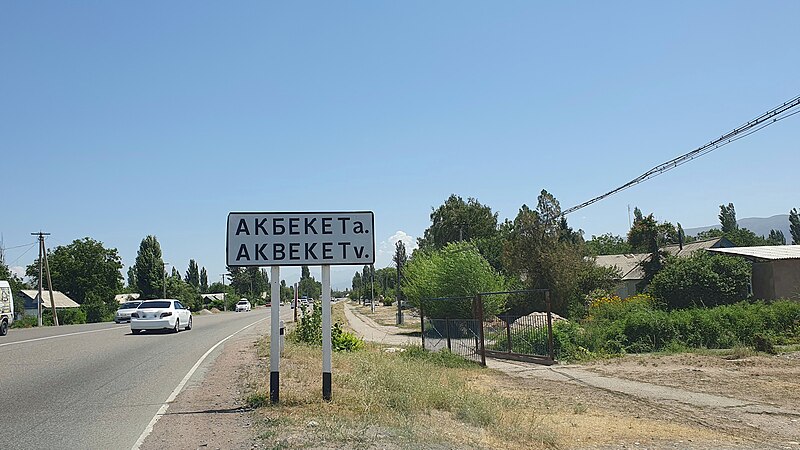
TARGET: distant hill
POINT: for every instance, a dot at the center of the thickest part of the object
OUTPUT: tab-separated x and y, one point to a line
758	225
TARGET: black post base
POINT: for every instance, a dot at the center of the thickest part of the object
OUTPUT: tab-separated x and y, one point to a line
326	386
274	387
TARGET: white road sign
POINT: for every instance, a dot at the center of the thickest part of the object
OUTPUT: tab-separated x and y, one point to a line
300	238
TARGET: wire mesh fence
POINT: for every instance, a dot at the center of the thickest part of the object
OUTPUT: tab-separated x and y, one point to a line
512	324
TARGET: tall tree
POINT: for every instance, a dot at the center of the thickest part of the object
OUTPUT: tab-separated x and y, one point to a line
637	215
132	278
727	218
400	258
88	273
203	280
308	286
794	226
149	268
457	220
357	285
776	237
175	273
193	274
536	254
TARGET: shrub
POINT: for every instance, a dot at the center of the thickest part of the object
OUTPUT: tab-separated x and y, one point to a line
701	280
309	331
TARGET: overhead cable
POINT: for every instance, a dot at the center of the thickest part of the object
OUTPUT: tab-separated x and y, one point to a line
764	120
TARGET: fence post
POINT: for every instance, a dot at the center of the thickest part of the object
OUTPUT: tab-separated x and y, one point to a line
508	332
447	331
422	323
479	299
549	326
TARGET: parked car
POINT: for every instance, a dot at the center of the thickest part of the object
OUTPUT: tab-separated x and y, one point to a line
124	312
161	314
243	305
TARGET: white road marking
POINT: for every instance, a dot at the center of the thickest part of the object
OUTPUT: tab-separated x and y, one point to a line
163	409
60	335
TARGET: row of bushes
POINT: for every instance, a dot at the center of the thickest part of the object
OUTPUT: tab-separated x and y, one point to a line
636	325
309	331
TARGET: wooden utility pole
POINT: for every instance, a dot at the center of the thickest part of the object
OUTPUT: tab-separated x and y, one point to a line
43	260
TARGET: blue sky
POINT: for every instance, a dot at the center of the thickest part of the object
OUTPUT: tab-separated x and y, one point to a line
123	119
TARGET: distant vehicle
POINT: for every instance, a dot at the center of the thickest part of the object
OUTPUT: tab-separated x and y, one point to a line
6	307
124	312
243	305
161	314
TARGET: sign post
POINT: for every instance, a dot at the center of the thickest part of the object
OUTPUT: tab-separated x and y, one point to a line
275	344
326	333
300	239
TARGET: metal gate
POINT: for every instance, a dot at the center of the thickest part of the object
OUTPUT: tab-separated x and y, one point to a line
474	328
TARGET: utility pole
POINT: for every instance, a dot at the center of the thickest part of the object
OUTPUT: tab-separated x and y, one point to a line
43	261
224	300
372	286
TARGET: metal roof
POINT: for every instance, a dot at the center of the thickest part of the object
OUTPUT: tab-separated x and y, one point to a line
60	300
763	252
692	247
630	265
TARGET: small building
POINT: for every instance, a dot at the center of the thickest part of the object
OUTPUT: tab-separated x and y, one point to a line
631	266
124	298
211	298
776	269
30	300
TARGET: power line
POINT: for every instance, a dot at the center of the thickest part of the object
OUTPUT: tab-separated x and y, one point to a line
768	118
17	246
23	254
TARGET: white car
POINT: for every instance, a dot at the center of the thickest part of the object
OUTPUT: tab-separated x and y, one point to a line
243	305
161	314
124	312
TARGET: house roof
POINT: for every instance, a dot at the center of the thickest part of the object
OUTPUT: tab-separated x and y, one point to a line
763	252
122	298
630	265
61	300
692	247
220	296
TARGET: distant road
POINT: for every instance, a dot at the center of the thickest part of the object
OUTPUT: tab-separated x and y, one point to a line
97	386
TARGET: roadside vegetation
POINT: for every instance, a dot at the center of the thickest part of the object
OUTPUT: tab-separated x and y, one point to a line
392	399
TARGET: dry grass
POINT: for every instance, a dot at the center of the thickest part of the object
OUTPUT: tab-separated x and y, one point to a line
391	400
387	315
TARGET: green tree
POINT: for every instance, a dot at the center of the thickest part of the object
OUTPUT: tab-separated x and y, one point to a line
357	286
457	270
727	218
203	280
193	274
701	280
776	237
132	279
457	220
794	226
149	268
400	259
82	269
308	286
607	244
536	254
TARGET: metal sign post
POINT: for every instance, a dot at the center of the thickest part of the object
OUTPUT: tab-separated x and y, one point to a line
327	343
275	338
300	239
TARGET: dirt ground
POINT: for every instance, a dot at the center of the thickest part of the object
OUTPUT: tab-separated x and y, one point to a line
213	414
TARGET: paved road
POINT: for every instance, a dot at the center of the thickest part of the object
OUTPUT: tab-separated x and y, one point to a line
97	386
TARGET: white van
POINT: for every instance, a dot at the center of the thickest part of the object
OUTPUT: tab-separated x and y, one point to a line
6	307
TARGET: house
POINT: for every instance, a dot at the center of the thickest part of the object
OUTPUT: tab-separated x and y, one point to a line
632	265
631	268
210	298
776	269
124	298
30	296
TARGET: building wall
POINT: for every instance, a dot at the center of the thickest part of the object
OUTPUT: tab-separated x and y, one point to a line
626	288
786	278
776	279
763	286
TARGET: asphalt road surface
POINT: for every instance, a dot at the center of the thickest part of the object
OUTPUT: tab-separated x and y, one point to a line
97	386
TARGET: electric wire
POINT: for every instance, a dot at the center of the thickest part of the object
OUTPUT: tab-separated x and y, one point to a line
764	120
23	253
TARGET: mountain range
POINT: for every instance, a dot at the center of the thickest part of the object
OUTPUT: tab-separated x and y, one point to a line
758	225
